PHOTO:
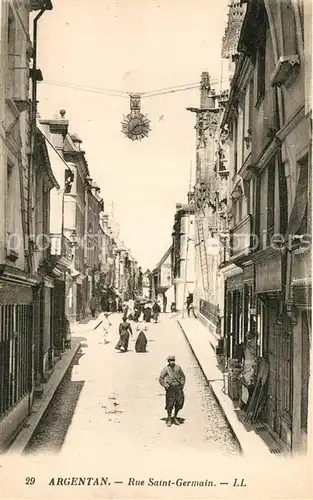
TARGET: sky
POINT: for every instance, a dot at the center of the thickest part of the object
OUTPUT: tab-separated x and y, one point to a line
132	46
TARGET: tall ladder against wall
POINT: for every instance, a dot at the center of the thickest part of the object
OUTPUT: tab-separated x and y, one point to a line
187	243
203	255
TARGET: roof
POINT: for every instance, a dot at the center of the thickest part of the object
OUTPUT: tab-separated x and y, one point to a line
75	138
69	145
47	159
58	164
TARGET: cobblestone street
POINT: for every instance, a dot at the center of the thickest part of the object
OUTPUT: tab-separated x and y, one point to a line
111	398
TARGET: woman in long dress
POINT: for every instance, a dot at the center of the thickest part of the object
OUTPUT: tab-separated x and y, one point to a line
141	342
125	330
105	326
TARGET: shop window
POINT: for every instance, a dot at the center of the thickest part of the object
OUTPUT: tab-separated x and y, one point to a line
305	369
250	111
260	328
12	53
270	200
235	139
260	64
239	206
261	55
10	223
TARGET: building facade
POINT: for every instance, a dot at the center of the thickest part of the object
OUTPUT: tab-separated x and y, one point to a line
94	206
210	206
22	153
182	253
260	192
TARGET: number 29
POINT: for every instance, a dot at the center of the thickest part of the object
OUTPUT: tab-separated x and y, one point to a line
30	480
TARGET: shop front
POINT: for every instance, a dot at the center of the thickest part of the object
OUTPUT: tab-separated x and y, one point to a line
16	351
247	380
300	311
233	320
274	348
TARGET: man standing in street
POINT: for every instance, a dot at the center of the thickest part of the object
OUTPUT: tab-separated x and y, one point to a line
190	305
173	379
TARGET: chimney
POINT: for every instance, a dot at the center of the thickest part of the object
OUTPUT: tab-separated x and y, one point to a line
56	129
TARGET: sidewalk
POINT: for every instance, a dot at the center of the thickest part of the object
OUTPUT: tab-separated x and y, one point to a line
40	405
196	333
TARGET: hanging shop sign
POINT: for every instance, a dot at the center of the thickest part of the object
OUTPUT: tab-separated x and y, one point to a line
135	125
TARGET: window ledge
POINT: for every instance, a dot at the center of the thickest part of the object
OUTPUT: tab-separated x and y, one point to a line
286	71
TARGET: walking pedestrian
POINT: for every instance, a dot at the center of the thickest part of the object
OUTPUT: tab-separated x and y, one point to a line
137	312
128	313
93	305
125	330
120	305
147	312
141	342
164	303
172	378
156	309
190	305
106	324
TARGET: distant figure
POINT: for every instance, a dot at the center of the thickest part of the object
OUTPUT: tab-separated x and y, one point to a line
137	312
173	379
125	330
190	306
156	309
120	305
105	322
67	333
147	312
164	303
173	307
128	312
141	342
93	305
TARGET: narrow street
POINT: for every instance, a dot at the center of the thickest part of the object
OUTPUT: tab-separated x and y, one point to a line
110	398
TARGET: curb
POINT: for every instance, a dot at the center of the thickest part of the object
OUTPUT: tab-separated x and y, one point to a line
214	392
27	431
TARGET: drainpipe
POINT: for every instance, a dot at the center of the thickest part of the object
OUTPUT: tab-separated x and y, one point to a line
32	133
33	116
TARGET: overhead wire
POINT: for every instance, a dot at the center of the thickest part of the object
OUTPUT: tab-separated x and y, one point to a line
96	90
119	93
